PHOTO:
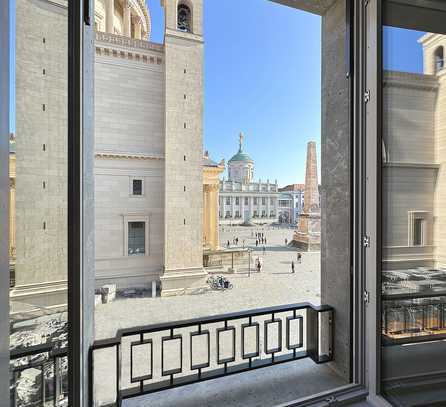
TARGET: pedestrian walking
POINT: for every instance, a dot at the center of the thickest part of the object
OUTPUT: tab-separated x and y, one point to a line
259	266
228	244
292	266
257	242
299	257
265	240
286	241
264	249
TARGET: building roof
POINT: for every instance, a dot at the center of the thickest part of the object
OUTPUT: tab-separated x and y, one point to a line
293	187
241	156
207	162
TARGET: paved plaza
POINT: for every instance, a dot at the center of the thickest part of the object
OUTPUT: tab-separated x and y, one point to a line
274	285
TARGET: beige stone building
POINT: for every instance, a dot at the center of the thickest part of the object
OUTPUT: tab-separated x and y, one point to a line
149	148
211	186
40	224
150	179
414	158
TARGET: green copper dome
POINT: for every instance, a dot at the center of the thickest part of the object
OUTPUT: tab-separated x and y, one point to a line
241	156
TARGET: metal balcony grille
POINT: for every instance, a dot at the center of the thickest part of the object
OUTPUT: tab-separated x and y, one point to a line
151	358
47	365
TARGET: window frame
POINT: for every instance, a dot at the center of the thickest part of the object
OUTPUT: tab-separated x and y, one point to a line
129	218
132	190
80	131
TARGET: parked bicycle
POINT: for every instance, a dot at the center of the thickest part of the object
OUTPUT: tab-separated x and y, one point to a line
219	283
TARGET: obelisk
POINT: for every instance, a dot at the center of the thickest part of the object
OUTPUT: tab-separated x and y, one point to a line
308	235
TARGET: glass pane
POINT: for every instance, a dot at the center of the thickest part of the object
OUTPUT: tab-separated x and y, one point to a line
413	263
212	112
38	202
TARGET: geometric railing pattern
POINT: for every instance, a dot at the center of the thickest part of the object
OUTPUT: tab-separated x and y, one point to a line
151	358
38	375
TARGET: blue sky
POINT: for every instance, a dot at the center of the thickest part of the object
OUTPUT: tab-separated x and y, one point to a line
263	77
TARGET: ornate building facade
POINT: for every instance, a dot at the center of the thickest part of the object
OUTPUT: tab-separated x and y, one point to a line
242	199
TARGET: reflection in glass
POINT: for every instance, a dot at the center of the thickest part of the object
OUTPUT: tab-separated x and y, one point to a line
38	204
413	188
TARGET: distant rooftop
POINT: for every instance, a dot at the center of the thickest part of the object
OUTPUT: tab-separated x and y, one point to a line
293	187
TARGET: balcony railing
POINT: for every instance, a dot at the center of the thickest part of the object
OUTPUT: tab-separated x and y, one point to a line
156	357
38	376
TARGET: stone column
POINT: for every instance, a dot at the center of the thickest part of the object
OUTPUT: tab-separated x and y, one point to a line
206	210
242	207
127	20
267	204
138	29
12	218
213	219
251	209
232	206
109	16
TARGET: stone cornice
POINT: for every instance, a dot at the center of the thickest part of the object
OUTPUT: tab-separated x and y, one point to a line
411	165
120	41
410	80
127	156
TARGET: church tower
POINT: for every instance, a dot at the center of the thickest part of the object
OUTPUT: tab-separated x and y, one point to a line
183	221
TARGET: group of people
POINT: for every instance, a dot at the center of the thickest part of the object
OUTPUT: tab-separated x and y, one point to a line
235	241
260	238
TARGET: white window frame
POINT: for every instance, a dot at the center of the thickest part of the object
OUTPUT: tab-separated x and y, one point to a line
412	216
131	179
136	218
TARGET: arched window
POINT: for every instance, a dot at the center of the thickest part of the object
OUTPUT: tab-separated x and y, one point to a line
439	59
184	18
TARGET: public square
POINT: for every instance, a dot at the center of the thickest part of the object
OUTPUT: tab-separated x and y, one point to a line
274	285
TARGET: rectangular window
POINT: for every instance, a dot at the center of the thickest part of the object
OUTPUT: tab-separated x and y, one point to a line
255	201
237	200
137	187
246	200
263	201
228	200
418	232
136	238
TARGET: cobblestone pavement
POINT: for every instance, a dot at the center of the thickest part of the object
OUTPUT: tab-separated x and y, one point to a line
275	285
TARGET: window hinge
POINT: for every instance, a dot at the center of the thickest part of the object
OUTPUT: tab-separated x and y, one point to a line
366	297
367	96
331	401
366	241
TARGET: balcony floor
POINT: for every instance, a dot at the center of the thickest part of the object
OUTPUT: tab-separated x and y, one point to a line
267	387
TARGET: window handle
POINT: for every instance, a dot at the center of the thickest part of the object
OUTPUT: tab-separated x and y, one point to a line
87	12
